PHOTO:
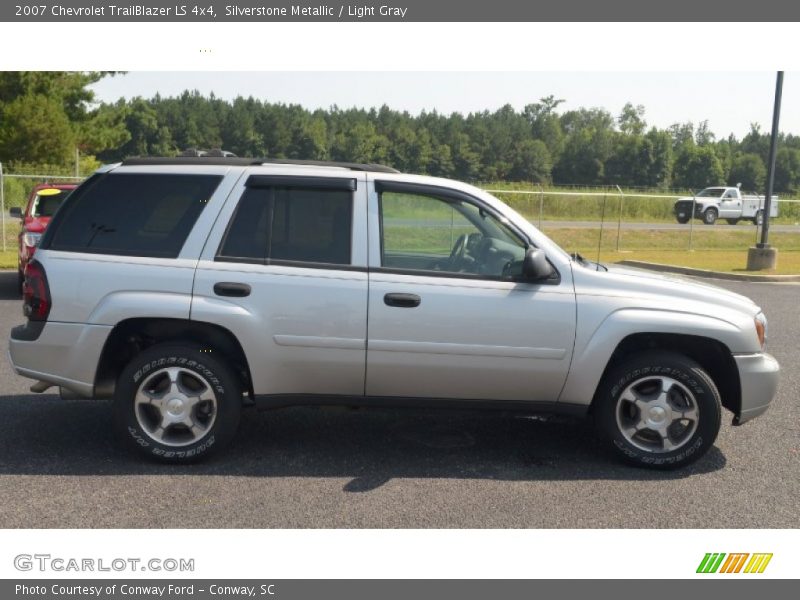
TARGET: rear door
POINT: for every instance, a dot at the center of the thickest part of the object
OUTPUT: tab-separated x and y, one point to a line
284	270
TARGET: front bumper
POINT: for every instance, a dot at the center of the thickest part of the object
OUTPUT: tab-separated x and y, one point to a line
758	375
684	208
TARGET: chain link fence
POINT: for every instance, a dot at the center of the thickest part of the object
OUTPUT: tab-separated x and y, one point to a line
606	215
575	216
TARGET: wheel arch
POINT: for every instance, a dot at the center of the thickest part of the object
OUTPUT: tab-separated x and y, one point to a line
131	336
711	354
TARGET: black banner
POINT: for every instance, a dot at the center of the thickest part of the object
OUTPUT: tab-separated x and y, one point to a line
403	10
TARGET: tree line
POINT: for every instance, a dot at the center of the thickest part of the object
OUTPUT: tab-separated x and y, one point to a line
45	116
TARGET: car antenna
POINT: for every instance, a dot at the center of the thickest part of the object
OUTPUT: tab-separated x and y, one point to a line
600	241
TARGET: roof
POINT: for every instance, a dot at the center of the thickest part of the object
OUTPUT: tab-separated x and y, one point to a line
246	162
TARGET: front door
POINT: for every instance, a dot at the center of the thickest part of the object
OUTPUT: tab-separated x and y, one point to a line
448	317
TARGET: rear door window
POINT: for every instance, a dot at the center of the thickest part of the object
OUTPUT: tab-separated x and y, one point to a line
132	214
293	224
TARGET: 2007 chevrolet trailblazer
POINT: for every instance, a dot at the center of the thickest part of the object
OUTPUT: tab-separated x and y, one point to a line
187	287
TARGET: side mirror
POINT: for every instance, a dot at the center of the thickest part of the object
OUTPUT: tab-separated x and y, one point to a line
535	266
15	211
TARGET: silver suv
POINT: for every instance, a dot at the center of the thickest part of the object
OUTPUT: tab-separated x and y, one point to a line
186	288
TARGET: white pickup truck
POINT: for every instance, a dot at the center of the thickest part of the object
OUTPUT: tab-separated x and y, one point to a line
724	203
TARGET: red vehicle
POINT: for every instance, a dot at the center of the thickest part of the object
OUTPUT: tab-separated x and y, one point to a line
42	204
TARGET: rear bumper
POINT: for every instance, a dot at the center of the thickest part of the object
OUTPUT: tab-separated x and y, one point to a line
64	354
758	374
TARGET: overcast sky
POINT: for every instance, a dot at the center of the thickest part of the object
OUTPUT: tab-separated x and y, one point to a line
729	100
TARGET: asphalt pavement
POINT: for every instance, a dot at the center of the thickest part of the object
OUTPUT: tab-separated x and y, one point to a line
60	465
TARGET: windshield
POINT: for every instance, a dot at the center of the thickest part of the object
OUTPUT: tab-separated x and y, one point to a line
47	202
711	193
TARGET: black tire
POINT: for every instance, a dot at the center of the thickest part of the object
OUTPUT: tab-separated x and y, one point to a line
682	220
207	375
609	408
758	219
710	216
732	221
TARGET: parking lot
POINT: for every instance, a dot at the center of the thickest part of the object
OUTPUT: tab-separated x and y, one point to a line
60	466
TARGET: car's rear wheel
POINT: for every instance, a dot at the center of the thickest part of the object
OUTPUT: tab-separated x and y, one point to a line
177	404
659	410
758	219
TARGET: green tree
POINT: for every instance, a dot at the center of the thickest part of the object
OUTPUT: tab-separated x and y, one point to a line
749	170
660	172
756	142
441	164
787	170
682	135
631	161
704	136
631	119
697	167
35	129
545	124
36	105
531	162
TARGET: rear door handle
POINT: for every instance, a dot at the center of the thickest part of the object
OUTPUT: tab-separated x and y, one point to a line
230	288
402	300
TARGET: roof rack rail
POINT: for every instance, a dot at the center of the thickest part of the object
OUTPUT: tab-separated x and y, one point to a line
245	162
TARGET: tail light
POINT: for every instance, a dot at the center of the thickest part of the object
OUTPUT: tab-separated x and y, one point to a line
36	301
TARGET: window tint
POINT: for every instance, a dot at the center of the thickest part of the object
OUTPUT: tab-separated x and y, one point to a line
427	233
132	214
291	224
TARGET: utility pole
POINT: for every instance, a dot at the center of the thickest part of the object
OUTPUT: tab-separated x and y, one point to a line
763	256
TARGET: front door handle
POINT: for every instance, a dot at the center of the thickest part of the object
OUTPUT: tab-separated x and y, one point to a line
233	289
402	300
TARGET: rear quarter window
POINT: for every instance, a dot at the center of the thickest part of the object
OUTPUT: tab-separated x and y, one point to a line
131	214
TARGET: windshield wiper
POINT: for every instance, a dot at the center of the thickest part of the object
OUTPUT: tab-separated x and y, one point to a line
587	263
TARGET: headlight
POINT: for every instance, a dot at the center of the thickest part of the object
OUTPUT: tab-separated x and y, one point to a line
761	329
31	239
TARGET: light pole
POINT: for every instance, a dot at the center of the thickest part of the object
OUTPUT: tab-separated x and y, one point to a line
762	256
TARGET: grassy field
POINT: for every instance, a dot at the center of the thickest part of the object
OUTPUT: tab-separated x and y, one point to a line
705	238
585	205
712	250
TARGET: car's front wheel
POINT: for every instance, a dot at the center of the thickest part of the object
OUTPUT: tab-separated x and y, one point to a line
658	410
710	216
177	404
